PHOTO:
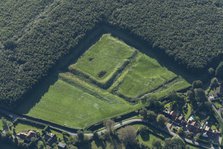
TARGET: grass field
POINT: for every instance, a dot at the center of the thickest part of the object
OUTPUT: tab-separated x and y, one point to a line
70	106
102	61
167	89
146	75
20	127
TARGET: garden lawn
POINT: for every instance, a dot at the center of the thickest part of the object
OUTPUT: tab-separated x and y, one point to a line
70	106
102	61
217	104
145	75
148	138
20	127
189	111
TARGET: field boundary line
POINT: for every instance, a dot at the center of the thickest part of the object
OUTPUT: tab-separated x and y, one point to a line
121	76
86	89
157	88
115	75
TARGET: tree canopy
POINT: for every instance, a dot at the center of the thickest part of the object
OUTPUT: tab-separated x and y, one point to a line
188	31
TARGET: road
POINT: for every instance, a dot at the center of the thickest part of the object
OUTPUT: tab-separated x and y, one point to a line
101	130
118	125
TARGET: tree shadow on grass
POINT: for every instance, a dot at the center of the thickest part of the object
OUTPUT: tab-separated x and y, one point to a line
100	143
33	96
31	99
145	136
85	145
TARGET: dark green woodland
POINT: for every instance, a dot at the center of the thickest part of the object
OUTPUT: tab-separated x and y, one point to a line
36	34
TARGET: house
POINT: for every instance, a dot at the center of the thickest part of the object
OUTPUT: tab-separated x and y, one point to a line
27	135
191	118
180	119
22	136
50	138
219	90
166	112
173	114
62	145
207	128
205	135
213	134
193	126
211	98
203	125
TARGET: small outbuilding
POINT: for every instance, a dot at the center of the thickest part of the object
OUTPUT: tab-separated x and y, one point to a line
62	145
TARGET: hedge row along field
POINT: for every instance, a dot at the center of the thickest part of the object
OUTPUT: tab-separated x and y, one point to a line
188	30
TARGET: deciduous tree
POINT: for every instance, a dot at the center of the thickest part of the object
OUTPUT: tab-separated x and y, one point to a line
128	136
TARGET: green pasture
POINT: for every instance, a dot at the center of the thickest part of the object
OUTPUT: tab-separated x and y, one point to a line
167	89
145	75
71	106
102	61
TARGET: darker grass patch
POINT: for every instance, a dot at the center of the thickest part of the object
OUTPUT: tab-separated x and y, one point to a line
102	73
90	59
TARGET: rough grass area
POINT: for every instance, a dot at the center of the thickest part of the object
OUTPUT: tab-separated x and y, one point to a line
104	59
20	127
71	106
166	90
147	75
148	137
